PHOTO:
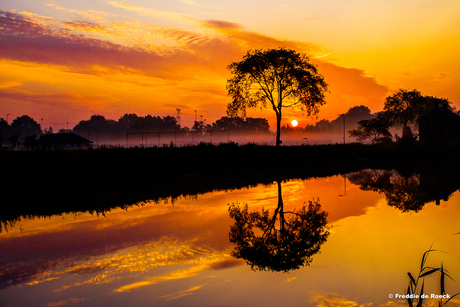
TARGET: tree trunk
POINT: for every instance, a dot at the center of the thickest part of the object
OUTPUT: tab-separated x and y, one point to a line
278	129
280	207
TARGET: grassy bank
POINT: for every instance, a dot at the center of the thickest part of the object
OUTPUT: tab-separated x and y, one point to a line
52	182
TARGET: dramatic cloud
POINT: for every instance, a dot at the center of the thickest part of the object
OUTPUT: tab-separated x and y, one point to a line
185	66
24	40
351	87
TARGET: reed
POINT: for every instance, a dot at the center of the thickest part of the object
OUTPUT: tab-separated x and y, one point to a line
416	296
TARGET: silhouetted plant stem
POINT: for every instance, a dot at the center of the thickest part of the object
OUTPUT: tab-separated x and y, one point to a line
425	271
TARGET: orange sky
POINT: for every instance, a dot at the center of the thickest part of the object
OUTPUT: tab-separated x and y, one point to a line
64	61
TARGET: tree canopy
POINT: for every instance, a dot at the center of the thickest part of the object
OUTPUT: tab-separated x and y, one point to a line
25	126
276	78
21	128
372	129
291	245
404	107
242	125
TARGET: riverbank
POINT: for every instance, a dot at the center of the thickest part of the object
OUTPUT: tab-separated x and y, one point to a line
51	182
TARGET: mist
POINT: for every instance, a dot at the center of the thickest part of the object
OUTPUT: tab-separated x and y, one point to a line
180	139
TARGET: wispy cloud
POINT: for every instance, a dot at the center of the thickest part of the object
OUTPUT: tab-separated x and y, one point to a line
180	274
154	13
33	15
180	294
84	26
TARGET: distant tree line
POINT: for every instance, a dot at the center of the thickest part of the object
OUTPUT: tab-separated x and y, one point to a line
247	125
98	124
352	117
133	123
235	124
24	130
400	110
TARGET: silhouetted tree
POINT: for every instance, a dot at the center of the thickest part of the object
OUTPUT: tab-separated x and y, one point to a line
323	125
256	125
155	124
170	124
359	112
371	129
404	107
430	102
199	126
48	131
29	141
25	126
5	131
127	122
264	246
352	117
96	124
14	140
233	123
281	77
242	125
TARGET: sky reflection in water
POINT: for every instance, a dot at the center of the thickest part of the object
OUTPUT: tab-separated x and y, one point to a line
179	255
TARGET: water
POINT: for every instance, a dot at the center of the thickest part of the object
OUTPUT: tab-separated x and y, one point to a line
163	254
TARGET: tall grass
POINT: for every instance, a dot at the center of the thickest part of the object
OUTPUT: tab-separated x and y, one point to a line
415	295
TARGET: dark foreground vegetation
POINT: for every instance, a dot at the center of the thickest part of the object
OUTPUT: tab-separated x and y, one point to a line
43	183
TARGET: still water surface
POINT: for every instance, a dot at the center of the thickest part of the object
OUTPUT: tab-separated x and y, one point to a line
164	254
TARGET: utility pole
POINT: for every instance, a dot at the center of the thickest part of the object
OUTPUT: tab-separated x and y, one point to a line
178	117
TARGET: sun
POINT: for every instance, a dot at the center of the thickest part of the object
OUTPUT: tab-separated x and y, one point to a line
294	123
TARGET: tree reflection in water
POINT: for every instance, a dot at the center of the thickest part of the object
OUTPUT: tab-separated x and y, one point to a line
280	242
402	192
